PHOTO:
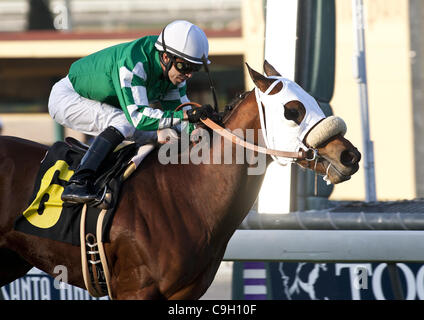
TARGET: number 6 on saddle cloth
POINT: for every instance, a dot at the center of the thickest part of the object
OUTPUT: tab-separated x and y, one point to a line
47	215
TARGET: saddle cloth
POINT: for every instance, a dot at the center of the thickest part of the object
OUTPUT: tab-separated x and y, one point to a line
48	216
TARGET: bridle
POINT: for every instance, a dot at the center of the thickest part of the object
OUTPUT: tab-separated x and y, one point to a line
306	152
310	154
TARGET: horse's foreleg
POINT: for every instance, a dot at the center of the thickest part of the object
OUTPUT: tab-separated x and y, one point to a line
12	266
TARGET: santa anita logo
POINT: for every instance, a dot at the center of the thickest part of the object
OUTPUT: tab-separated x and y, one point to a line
37	285
224	151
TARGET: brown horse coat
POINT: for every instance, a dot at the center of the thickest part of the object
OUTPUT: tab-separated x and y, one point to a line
172	224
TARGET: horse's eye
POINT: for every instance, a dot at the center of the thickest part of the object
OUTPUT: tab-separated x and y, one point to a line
291	114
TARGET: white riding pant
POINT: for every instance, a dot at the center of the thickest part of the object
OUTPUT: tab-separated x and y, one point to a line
91	117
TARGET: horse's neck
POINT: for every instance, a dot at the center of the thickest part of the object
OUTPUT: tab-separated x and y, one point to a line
213	198
236	189
245	115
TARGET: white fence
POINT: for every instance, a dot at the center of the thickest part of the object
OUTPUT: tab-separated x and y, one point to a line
326	246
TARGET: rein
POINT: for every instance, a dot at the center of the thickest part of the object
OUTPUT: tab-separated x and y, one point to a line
309	155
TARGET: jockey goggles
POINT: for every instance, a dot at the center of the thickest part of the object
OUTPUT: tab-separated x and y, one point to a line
184	67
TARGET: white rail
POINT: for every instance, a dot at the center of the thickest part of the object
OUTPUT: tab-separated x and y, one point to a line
326	246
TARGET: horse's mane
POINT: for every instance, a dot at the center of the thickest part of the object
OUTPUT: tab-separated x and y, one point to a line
225	114
232	105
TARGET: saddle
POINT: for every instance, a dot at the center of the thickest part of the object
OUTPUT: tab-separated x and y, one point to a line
78	224
111	168
93	258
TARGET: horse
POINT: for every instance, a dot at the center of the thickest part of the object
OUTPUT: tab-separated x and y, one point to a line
173	222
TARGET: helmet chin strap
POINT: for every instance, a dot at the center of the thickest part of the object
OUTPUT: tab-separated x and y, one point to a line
168	65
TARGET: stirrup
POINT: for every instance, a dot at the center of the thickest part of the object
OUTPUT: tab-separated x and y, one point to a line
77	193
102	200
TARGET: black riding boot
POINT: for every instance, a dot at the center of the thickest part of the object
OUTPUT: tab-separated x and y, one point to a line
79	188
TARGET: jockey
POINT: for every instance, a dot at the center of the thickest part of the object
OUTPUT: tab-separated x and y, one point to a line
109	94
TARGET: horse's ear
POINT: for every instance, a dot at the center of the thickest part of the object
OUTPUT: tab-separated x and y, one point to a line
270	70
259	80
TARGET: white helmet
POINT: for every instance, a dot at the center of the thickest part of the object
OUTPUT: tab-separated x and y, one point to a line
184	40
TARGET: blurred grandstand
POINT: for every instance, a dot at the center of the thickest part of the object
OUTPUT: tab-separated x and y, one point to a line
124	15
41	38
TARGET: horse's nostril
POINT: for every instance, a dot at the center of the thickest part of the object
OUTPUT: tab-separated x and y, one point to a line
349	158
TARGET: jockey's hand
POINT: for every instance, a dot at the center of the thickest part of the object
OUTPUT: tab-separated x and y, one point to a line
205	111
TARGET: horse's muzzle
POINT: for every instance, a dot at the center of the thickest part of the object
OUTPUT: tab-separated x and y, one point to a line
347	166
350	158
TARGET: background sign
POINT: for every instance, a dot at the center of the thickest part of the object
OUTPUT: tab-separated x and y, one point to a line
38	285
343	281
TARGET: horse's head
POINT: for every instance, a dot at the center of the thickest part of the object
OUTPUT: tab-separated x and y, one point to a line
291	120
